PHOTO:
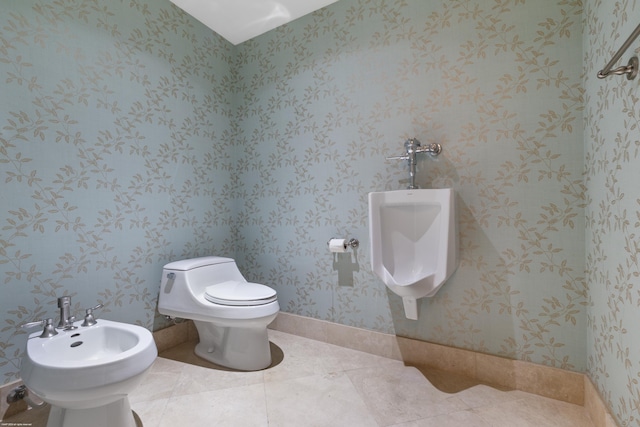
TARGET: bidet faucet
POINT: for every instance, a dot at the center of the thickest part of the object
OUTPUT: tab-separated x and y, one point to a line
66	319
412	147
89	319
48	330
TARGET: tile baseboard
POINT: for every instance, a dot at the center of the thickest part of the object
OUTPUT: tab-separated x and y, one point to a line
545	381
595	406
174	335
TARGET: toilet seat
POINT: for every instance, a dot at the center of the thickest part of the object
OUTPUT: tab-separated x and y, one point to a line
236	293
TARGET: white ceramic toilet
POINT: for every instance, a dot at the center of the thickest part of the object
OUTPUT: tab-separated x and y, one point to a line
230	314
413	242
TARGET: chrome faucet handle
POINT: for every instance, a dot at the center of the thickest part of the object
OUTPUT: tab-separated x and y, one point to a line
48	331
70	326
89	320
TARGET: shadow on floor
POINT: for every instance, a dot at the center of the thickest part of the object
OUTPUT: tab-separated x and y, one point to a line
34	417
449	382
38	417
185	353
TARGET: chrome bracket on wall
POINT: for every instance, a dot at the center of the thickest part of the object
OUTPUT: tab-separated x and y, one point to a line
631	69
412	147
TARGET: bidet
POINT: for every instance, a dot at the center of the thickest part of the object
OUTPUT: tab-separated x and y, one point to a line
87	373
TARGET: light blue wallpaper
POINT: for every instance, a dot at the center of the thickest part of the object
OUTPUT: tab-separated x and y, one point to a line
326	98
612	153
134	136
114	156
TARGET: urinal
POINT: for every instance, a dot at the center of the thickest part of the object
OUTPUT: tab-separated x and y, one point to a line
413	238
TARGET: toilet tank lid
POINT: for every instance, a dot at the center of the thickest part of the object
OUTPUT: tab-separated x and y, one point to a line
189	264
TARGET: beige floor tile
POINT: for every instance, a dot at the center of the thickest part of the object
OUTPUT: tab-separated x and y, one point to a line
302	357
196	379
316	401
166	365
150	412
466	418
160	381
399	394
237	407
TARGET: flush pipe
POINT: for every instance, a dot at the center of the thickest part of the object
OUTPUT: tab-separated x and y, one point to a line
412	147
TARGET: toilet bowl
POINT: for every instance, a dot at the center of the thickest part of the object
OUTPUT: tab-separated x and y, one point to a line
413	242
230	314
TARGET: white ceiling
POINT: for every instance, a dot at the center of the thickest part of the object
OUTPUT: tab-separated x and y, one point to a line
240	20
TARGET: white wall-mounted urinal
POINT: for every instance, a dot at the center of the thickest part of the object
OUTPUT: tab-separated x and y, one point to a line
414	247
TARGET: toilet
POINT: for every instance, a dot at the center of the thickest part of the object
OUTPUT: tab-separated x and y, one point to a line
230	314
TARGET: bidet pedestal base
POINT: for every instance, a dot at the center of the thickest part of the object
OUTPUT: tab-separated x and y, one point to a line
116	414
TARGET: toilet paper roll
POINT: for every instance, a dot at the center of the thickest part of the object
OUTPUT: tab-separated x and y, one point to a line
338	245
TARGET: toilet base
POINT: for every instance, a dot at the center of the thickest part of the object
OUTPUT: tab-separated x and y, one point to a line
241	348
116	414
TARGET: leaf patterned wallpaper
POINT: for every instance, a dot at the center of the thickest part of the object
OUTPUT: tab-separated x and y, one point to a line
499	84
133	136
115	156
612	148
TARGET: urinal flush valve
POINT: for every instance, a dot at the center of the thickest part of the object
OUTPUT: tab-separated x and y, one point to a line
412	147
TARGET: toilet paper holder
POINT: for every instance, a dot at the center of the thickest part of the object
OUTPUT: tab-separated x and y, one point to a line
351	243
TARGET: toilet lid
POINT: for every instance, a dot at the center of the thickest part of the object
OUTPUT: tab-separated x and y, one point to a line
239	293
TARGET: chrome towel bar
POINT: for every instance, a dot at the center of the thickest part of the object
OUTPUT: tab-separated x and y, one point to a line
631	69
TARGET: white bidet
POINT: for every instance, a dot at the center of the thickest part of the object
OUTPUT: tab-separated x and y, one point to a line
87	373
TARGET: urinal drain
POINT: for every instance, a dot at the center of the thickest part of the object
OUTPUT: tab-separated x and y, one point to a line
76	344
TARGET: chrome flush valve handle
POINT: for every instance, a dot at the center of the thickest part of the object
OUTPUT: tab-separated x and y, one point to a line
89	320
398	158
412	147
434	149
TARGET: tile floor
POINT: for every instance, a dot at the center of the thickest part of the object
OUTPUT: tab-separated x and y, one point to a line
317	384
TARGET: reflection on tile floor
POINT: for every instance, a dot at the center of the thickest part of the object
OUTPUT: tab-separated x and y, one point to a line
317	384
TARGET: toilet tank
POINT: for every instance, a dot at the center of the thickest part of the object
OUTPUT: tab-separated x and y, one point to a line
184	282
